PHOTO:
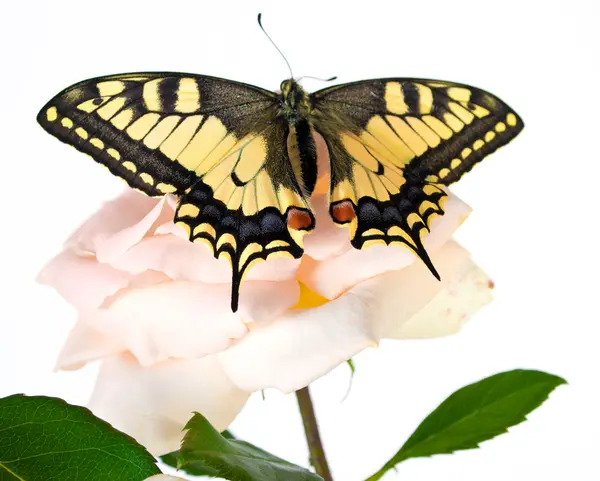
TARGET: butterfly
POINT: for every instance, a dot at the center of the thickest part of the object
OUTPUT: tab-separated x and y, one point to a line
242	160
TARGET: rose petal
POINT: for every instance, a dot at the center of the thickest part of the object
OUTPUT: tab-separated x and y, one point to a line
397	299
465	293
82	281
188	319
110	247
402	294
323	165
152	404
273	270
120	224
145	279
114	216
177	258
300	346
335	275
172	201
170	227
85	344
181	259
327	239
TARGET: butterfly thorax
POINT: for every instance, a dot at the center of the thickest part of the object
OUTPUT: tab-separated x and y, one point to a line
294	102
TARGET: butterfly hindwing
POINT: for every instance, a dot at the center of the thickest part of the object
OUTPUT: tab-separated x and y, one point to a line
213	142
248	208
395	144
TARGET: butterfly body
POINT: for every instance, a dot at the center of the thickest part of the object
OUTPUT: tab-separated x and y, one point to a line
243	161
295	112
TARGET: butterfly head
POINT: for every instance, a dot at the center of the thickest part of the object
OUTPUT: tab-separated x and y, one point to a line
294	102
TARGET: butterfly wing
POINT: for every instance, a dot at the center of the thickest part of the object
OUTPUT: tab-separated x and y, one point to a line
248	207
213	142
395	143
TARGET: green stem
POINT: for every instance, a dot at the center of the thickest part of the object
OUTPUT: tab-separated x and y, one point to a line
313	438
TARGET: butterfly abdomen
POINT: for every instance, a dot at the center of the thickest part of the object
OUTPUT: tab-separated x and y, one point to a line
303	156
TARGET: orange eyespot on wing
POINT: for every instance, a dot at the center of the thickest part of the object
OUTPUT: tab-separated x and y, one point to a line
299	219
342	211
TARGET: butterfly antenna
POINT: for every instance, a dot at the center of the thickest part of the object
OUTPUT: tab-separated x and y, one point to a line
330	79
274	45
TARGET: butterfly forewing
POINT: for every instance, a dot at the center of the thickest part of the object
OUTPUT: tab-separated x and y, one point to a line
395	143
214	142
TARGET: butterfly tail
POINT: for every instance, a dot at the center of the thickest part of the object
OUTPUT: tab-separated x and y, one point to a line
236	281
424	256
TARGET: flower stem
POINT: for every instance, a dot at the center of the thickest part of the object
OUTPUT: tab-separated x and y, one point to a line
313	438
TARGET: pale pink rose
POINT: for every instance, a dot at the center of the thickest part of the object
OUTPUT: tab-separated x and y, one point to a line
154	308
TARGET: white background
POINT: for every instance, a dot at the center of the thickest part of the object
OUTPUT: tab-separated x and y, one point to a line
533	229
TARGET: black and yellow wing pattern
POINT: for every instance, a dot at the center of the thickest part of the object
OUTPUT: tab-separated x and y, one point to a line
242	160
210	141
394	145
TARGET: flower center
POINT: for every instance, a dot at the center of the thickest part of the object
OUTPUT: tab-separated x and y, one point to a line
309	298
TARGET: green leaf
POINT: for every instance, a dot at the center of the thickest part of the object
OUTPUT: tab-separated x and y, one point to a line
234	459
476	413
45	438
196	468
352	367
